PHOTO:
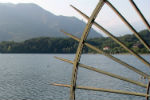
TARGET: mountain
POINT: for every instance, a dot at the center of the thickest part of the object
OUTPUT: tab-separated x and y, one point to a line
19	22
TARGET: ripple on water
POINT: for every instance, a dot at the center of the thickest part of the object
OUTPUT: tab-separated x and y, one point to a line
28	77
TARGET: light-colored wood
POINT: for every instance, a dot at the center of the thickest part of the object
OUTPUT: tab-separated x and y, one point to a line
114	38
105	73
82	42
80	48
104	90
110	56
148	86
129	26
140	14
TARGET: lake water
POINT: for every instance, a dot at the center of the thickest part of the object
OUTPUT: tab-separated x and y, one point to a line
28	77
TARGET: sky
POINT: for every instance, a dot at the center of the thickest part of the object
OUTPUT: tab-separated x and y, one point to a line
106	18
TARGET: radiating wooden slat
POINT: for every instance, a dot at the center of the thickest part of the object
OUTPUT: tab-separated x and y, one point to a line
82	43
110	56
104	90
105	73
129	25
148	86
140	14
80	48
114	38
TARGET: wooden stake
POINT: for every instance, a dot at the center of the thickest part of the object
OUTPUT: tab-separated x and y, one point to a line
110	56
105	73
104	90
129	25
114	38
80	48
140	14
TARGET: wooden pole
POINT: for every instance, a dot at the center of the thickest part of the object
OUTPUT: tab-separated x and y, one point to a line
80	48
105	90
110	56
129	25
114	38
140	14
105	73
148	86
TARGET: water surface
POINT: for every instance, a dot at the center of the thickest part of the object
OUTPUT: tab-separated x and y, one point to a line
28	77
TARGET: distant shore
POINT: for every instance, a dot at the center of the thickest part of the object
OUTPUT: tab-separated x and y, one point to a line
67	45
82	53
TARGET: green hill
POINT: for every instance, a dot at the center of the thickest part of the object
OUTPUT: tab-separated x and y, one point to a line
67	45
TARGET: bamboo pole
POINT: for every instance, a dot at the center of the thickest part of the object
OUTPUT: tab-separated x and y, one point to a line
140	14
129	25
105	73
148	86
114	38
104	90
110	56
80	48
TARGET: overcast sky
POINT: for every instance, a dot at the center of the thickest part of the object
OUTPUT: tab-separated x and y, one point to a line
107	18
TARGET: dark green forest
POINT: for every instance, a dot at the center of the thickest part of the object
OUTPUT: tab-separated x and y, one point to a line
68	45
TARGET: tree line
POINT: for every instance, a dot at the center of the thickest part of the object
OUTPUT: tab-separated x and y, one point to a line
68	45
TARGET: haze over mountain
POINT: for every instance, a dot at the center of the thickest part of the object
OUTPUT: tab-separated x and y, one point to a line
24	21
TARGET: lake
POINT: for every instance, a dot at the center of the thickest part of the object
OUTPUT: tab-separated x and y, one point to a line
28	77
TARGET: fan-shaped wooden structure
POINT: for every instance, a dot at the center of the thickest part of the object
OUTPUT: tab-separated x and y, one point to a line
82	43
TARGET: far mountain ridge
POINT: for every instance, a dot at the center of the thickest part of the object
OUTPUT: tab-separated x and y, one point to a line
23	21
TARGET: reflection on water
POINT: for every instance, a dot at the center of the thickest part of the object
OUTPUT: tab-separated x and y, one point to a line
28	77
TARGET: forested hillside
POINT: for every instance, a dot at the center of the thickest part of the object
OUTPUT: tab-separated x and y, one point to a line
67	45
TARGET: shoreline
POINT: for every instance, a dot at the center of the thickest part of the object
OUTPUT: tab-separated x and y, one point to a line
82	53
